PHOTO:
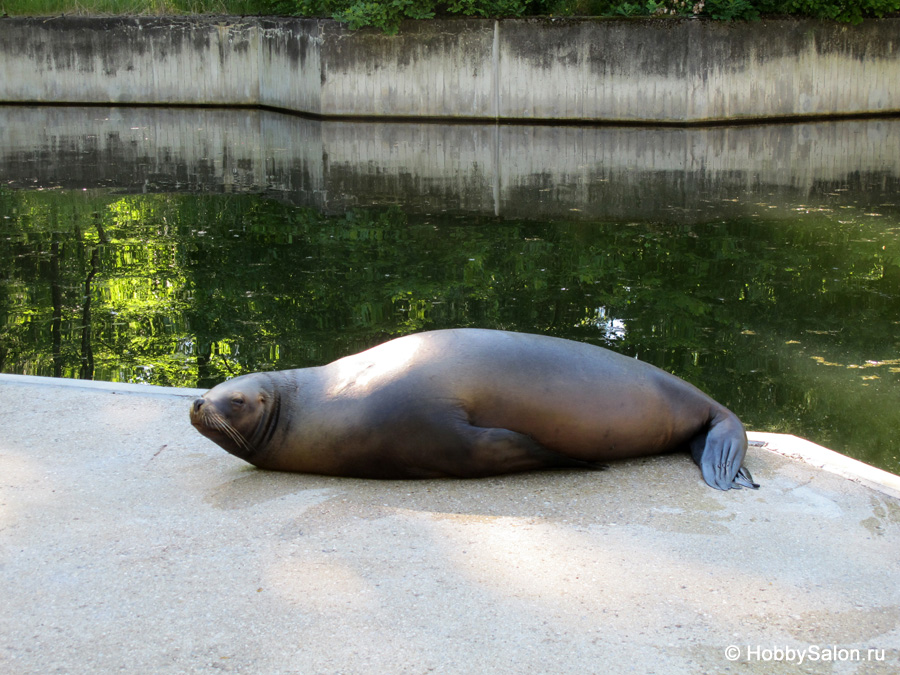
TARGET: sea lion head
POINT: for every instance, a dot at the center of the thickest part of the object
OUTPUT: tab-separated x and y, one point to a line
240	415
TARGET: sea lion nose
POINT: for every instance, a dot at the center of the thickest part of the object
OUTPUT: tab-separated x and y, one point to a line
198	403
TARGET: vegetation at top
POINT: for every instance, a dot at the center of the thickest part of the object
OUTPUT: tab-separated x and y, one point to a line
132	7
387	14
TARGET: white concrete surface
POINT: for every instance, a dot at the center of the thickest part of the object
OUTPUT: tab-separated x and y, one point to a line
130	543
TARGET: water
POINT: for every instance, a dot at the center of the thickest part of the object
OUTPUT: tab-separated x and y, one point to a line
184	247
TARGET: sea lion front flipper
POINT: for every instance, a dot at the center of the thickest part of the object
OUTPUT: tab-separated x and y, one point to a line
496	451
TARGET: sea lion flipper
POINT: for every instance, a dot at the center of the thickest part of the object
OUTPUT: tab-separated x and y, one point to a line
496	451
719	452
744	479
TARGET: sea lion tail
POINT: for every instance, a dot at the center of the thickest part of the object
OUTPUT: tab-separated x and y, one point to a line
719	452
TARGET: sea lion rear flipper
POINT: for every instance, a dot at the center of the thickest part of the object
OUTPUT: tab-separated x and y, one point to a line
719	451
499	451
744	479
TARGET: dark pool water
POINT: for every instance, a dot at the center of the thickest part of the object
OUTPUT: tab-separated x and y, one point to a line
781	302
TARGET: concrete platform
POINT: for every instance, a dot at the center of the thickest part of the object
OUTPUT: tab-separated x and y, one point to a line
130	543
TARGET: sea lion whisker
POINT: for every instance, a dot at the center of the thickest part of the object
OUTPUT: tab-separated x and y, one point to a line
234	435
215	420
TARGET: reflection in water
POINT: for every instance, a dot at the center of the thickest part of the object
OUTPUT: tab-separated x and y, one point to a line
609	328
571	173
762	264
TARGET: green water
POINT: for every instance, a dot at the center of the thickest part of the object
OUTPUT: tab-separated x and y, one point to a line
789	315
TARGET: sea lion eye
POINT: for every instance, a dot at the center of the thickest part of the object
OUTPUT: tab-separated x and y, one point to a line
237	400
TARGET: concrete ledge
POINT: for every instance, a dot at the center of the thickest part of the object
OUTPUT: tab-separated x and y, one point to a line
653	71
130	543
828	460
91	385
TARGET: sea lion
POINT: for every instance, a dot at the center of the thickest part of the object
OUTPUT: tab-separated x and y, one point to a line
470	403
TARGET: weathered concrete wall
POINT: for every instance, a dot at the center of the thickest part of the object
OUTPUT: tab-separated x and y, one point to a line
657	71
794	68
430	69
688	71
129	60
597	70
290	65
602	172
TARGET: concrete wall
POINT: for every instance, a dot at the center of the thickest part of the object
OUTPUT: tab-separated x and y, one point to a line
593	173
290	65
655	71
129	60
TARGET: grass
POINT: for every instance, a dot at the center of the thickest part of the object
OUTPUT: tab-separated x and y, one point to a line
126	7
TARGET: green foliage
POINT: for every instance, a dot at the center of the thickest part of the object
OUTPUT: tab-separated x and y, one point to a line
731	10
490	7
662	8
388	14
675	7
853	11
572	7
142	7
385	15
629	9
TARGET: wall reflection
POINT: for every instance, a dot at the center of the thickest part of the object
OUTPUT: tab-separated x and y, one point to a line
577	173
